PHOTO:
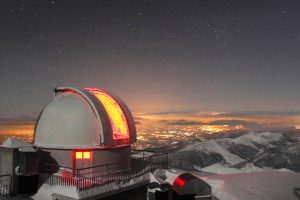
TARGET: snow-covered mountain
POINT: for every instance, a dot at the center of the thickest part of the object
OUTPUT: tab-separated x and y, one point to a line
268	149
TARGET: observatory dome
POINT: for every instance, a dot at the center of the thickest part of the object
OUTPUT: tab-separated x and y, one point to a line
84	118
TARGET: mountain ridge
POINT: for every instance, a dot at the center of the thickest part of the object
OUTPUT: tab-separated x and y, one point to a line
267	149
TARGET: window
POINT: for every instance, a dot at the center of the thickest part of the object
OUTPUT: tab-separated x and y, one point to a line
79	155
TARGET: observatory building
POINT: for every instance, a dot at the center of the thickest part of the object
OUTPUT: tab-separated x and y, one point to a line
82	128
81	150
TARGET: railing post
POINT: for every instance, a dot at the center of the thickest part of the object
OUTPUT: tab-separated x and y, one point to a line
167	167
10	182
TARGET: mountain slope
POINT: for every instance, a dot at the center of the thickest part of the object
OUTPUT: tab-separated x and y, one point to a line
263	149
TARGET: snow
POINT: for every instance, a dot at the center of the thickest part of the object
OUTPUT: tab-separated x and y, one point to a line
169	174
294	148
242	141
142	154
212	146
250	147
27	149
250	167
265	138
47	191
220	169
156	179
12	142
44	192
239	184
285	170
252	139
114	187
275	185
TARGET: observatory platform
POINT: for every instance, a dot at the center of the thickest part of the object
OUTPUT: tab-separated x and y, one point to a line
81	150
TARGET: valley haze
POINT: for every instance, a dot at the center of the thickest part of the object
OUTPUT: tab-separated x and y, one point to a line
157	129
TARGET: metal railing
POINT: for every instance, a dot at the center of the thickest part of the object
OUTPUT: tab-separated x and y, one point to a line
5	183
157	160
84	178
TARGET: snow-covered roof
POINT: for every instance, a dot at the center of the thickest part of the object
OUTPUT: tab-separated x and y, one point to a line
219	168
183	182
14	143
276	185
83	118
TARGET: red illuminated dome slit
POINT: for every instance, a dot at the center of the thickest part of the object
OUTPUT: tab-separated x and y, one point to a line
116	115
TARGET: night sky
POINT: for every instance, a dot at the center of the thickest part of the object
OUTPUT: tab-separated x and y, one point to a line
157	55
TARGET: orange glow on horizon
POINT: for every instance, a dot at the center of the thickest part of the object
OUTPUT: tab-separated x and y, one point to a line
20	131
17	129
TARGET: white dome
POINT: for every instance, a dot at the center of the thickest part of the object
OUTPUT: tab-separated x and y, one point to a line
75	118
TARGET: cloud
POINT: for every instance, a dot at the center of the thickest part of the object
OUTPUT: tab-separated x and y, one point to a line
216	122
234	114
248	125
252	126
138	118
233	123
259	113
175	112
181	122
14	120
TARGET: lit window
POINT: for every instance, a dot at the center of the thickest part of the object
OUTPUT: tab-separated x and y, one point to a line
78	155
87	155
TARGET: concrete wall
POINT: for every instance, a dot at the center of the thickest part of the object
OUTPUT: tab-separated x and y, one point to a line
117	158
121	155
9	160
6	161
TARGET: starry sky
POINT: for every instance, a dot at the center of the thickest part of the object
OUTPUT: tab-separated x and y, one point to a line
159	56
